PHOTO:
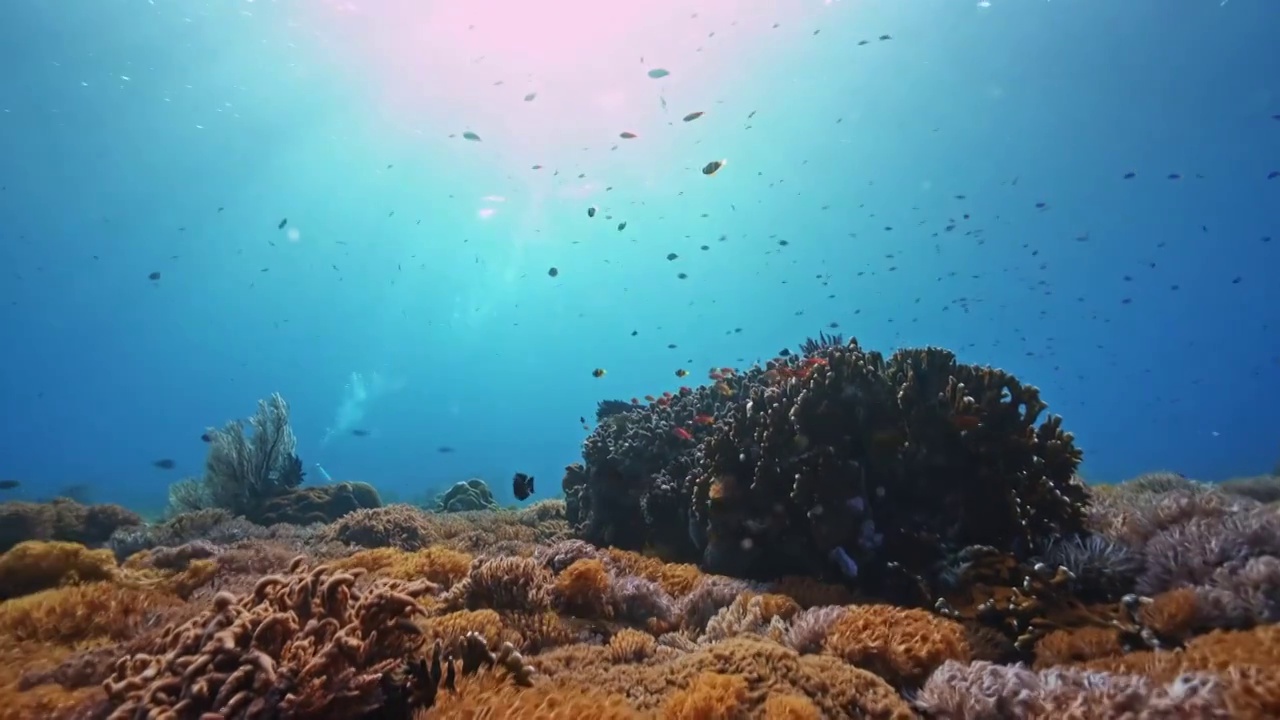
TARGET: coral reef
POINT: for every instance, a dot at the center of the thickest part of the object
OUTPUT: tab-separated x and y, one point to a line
505	614
61	519
848	537
835	463
467	495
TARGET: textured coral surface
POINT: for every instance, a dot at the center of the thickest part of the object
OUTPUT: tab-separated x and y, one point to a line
1164	607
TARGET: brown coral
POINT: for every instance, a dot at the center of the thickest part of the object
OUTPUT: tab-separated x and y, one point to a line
309	644
83	613
582	589
711	696
62	520
900	645
37	565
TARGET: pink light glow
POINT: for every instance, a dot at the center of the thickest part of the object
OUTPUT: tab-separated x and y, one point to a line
451	66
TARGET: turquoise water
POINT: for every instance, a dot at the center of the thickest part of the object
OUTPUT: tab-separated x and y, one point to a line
961	183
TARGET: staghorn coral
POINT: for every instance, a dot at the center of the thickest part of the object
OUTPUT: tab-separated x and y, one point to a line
309	644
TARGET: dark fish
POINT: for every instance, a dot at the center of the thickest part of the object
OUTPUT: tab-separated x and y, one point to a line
165	464
206	437
154	276
522	486
444	449
9	484
283	222
658	73
360	433
784	352
553	272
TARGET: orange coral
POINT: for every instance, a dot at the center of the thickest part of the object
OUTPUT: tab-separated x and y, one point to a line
583	589
83	613
900	645
789	707
451	628
676	578
436	564
1077	645
503	583
1173	614
490	696
711	696
628	645
37	565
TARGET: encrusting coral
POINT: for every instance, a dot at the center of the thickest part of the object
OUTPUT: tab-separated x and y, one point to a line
985	582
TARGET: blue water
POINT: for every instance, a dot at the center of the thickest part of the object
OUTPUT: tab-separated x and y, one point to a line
173	137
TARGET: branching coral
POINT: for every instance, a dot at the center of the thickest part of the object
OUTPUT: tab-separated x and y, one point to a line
307	644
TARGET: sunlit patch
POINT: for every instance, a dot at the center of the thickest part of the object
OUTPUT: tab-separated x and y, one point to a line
293	235
493	198
486	213
580	191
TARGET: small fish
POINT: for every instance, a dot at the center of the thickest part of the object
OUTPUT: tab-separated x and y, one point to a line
530	97
553	272
627	135
598	372
650	398
154	276
682	433
784	352
672	256
359	432
591	211
206	437
713	167
622	226
282	223
522	486
468	135
692	116
704	419
9	484
681	372
165	464
658	73
444	450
